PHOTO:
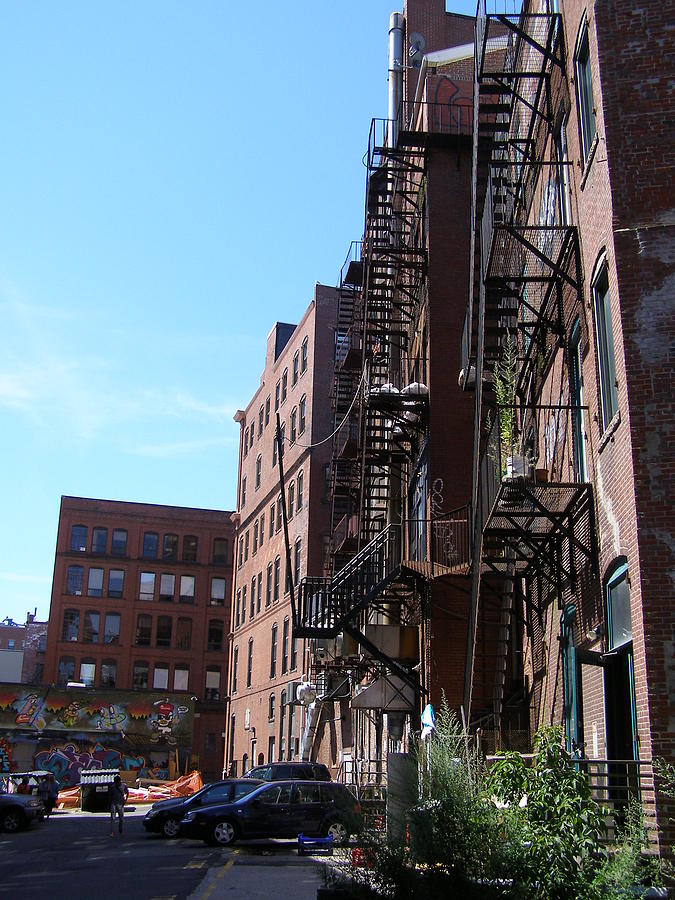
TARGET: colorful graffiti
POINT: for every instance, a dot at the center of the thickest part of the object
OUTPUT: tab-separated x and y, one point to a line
168	715
68	761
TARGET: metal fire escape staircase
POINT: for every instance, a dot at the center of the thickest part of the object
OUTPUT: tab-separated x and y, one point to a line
523	265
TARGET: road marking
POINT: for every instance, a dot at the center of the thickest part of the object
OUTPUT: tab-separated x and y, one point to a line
196	864
214	884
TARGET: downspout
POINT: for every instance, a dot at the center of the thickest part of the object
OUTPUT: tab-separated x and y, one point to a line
395	78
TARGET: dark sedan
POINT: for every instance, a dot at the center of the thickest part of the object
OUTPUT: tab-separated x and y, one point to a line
165	815
19	810
282	809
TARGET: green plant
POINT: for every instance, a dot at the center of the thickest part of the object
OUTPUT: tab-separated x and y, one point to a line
505	376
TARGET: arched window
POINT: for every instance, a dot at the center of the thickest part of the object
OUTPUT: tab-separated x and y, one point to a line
170	547
91	626
78	539
164	628
108	673
302	414
296	562
215	635
249	663
273	652
271	707
183	634
143	630
212	685
140	676
88	672
586	106
190	548
303	355
619	625
150	545
66	670
258	470
74	578
284	647
291	499
296	367
277	572
235	669
301	482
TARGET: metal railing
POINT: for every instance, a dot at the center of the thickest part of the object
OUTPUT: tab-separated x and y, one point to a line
451	540
454	117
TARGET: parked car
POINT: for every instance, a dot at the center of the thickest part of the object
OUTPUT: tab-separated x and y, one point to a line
165	815
285	771
282	809
19	810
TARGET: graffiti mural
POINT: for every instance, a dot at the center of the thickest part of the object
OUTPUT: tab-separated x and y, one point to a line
66	731
68	761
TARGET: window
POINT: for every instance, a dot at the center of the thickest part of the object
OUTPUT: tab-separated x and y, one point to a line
252	609
303	414
287	576
71	624
267	411
277	393
217	592
249	663
163	633
262	529
562	167
296	367
111	632
187	589
88	672
294	654
301	482
214	640
181	676
140	676
74	581
90	626
147	586
255	537
143	630
243	491
303	355
219	551
108	673
271	704
246	546
294	425
585	92
619	626
183	634
275	451
150	545
78	538
243	604
284	647
66	670
268	595
277	572
296	562
271	757
189	548
291	499
577	412
212	691
252	434
235	668
273	652
99	540
245	443
272	509
282	724
241	550
160	677
279	514
118	547
170	546
284	385
95	583
609	402
167	587
258	470
261	420
237	610
10	644
115	582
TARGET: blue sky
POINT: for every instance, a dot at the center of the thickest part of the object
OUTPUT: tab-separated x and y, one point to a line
173	178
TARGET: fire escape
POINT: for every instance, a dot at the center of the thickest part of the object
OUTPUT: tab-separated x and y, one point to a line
533	535
364	619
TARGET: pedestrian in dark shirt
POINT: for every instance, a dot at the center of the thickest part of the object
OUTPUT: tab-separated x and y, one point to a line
117	795
43	793
53	795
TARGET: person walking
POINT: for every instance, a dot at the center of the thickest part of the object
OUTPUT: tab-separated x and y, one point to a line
117	795
53	794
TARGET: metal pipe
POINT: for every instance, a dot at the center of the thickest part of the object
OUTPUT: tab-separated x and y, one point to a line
395	79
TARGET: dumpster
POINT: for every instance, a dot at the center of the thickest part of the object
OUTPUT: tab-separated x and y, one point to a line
94	789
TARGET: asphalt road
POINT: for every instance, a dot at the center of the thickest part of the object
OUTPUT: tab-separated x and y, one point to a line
73	856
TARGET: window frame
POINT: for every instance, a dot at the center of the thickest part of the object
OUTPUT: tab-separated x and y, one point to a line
608	397
584	92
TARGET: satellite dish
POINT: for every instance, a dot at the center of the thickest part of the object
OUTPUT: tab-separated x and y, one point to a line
416	49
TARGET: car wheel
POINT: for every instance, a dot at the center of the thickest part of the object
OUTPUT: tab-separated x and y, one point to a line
12	821
170	828
338	831
224	833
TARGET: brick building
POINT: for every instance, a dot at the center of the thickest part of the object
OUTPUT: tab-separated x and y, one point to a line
266	662
500	525
12	639
141	602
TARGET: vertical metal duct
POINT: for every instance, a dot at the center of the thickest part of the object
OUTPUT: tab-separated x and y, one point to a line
396	29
